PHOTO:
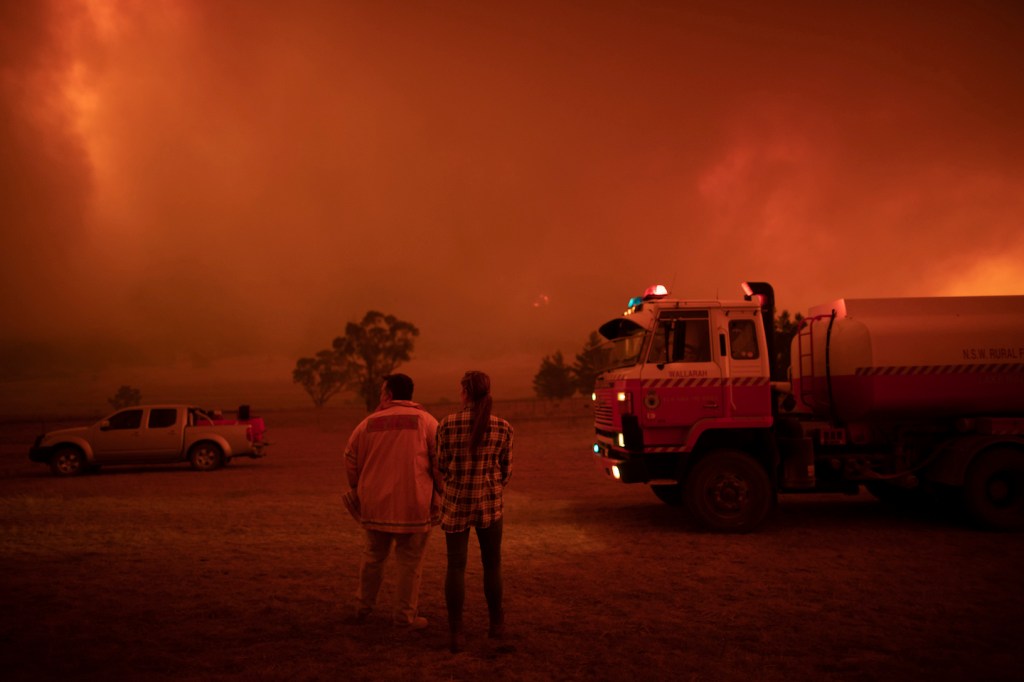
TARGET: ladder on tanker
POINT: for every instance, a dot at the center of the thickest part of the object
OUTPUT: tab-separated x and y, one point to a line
805	358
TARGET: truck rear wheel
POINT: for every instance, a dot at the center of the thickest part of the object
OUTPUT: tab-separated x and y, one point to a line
994	489
729	492
68	461
205	456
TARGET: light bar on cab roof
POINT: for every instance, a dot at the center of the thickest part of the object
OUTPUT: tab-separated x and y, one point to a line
656	291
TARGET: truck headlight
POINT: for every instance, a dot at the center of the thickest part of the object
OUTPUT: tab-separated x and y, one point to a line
621	441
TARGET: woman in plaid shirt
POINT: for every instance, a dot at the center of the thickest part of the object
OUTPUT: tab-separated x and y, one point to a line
474	458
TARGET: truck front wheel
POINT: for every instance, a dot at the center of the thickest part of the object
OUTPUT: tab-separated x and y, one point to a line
729	492
205	456
67	461
994	489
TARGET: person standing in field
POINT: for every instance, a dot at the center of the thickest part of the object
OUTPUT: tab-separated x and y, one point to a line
474	458
390	463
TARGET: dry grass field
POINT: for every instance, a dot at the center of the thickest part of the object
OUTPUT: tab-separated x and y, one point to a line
247	573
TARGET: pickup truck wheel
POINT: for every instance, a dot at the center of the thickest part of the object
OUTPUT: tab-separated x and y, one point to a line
68	461
672	494
729	492
994	489
205	456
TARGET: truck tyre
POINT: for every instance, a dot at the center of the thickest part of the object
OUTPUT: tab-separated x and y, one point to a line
728	492
994	489
672	494
68	461
205	456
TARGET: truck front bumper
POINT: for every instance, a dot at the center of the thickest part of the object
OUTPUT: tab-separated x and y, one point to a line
636	467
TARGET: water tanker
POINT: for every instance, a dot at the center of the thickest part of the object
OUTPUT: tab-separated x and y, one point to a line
909	397
870	359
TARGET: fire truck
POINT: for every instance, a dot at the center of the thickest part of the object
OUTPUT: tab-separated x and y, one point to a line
907	397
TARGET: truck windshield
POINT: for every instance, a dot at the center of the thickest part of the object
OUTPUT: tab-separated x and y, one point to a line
622	352
625	341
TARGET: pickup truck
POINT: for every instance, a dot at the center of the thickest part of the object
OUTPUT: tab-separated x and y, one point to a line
152	434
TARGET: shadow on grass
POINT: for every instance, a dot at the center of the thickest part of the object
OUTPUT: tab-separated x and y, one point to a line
41	471
793	512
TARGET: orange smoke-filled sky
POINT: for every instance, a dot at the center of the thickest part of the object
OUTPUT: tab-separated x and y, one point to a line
186	182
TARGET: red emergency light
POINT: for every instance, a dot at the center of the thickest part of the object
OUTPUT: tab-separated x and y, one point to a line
656	291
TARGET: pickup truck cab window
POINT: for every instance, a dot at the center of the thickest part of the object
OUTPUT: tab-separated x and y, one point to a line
161	417
125	419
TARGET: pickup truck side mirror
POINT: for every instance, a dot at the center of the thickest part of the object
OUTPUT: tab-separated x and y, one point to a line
105	425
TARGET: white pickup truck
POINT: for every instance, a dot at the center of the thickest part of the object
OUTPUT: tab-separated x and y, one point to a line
152	434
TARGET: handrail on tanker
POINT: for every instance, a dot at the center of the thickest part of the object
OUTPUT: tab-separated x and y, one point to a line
806	330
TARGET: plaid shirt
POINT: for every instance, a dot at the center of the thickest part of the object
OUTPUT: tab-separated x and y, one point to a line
472	483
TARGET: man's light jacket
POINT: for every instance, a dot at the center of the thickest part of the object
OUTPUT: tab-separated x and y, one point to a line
390	461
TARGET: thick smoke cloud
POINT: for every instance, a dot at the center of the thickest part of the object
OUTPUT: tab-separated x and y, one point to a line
189	183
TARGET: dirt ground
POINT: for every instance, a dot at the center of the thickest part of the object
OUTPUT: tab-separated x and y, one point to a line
247	573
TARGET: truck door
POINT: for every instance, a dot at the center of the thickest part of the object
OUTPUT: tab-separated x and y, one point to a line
162	438
681	383
748	390
118	437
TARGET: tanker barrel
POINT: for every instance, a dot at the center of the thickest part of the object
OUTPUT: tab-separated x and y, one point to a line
922	358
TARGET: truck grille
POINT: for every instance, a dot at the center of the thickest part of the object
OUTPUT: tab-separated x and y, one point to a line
604	411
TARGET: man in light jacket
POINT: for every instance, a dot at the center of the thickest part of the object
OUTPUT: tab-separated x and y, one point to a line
390	461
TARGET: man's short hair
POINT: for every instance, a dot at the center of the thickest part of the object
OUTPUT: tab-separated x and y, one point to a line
399	386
